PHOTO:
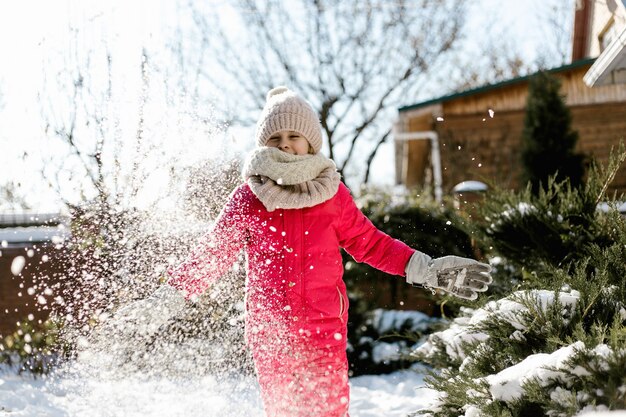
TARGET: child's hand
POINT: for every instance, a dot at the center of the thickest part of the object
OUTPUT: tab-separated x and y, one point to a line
461	277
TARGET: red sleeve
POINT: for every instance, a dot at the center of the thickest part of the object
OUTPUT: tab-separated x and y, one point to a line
215	252
365	243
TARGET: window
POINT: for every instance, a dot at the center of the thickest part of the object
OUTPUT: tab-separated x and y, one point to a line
607	35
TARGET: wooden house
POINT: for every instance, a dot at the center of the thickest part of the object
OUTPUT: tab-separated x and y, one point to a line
600	30
475	135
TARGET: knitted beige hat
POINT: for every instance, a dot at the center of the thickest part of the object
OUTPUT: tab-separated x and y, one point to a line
285	110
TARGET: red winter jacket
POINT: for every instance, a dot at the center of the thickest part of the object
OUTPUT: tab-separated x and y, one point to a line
293	259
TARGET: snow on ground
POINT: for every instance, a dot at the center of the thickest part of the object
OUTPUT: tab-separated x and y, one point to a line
396	394
393	395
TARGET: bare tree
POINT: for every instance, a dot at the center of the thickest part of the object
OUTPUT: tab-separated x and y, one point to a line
557	22
105	142
355	61
109	139
82	123
89	168
497	60
496	52
11	197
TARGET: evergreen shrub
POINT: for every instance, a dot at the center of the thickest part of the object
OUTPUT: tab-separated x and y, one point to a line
33	348
554	344
548	141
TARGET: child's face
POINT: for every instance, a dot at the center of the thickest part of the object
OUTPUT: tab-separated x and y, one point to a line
290	142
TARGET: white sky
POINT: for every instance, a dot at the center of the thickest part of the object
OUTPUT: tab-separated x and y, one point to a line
33	32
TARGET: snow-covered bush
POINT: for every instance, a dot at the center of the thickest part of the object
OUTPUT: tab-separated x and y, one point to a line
556	344
509	329
500	359
207	338
33	348
555	228
115	255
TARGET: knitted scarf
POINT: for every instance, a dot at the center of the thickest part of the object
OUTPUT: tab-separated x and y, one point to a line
283	180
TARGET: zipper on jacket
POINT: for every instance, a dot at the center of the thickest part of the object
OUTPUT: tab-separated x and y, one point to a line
302	262
342	304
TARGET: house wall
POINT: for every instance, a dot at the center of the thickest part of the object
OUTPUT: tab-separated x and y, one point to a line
39	273
601	17
489	150
592	20
511	97
476	146
600	128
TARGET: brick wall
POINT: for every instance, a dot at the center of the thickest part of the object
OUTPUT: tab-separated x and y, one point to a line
42	270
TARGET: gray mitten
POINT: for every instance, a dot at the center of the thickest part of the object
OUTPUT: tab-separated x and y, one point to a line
461	277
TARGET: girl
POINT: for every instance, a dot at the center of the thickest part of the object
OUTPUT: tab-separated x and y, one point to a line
291	216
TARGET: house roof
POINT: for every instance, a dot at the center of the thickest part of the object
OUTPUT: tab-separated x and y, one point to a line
495	86
610	68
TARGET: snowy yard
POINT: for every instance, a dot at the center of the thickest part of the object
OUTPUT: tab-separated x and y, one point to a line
391	395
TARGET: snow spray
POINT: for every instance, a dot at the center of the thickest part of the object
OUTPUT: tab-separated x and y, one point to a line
117	252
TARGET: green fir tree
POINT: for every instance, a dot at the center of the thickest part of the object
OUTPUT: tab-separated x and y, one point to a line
548	140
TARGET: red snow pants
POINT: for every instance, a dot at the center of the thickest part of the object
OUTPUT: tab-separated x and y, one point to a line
303	374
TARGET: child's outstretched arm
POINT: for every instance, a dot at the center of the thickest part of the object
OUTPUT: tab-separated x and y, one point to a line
461	277
215	252
365	243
